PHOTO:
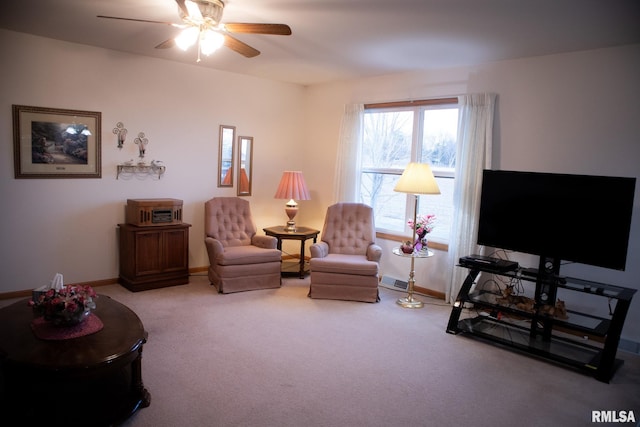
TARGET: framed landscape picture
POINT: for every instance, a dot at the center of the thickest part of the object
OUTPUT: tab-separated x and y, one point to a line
56	143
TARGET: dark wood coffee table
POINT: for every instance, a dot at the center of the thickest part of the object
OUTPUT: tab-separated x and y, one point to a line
91	380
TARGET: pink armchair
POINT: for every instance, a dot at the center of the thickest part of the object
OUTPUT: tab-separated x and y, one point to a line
239	259
344	264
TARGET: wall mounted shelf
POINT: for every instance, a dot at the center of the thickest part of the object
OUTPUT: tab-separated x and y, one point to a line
137	169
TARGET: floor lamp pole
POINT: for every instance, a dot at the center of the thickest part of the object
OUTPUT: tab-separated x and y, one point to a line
409	301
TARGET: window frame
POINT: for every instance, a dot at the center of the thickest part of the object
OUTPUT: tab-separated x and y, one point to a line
416	146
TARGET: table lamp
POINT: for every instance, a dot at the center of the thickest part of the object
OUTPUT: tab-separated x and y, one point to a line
416	179
292	186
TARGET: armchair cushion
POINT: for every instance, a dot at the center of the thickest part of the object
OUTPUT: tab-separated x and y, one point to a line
345	264
248	254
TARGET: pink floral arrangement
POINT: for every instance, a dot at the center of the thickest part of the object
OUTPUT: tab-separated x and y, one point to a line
424	224
67	305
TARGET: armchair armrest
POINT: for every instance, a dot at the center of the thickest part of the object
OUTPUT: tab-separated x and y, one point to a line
214	248
264	242
319	249
374	252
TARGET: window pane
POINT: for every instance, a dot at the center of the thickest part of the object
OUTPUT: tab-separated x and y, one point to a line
387	139
391	141
388	205
439	137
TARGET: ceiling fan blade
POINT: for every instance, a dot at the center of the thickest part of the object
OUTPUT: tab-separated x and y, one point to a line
166	44
138	20
183	7
240	47
248	28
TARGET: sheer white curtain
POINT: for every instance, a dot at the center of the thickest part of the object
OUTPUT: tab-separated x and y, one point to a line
347	173
475	137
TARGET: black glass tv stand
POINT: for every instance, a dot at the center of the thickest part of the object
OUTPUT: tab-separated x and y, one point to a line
583	341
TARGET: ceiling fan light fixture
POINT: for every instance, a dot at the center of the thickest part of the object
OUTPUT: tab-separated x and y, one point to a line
187	38
201	24
210	42
211	9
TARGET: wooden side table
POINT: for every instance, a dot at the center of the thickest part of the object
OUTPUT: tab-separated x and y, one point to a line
302	233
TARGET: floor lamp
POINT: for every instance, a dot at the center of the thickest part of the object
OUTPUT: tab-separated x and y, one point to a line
416	179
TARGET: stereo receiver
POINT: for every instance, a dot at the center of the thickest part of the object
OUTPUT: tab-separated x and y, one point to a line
153	212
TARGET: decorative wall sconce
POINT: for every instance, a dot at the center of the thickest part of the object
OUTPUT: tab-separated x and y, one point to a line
140	169
142	142
121	132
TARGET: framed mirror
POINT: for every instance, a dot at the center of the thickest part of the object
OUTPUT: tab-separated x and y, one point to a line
226	154
245	165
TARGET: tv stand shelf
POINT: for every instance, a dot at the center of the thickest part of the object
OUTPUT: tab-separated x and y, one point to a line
583	341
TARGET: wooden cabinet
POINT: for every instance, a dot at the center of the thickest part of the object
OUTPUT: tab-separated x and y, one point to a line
154	257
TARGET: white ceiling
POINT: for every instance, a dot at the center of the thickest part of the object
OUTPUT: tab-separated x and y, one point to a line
344	39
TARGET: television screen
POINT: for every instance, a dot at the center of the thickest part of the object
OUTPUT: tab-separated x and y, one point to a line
580	218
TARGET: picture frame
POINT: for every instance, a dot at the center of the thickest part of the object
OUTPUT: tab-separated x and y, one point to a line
56	143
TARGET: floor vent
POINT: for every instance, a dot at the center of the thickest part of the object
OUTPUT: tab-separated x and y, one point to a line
395	284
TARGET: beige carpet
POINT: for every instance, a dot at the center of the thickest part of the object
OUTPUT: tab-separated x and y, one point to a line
279	358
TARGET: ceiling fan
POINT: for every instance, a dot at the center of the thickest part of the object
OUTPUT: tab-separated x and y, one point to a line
201	25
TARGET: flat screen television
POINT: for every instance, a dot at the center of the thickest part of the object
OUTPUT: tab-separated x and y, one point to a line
580	218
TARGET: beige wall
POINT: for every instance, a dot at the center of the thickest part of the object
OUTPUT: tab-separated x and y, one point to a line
573	113
69	225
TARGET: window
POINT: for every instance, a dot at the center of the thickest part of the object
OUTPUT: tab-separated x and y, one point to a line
399	133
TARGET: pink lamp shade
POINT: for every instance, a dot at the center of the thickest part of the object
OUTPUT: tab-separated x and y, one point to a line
292	186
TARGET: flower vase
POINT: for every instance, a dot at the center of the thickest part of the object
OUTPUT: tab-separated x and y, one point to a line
62	317
64	307
421	242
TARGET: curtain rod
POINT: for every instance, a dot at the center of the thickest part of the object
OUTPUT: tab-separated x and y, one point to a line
437	101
